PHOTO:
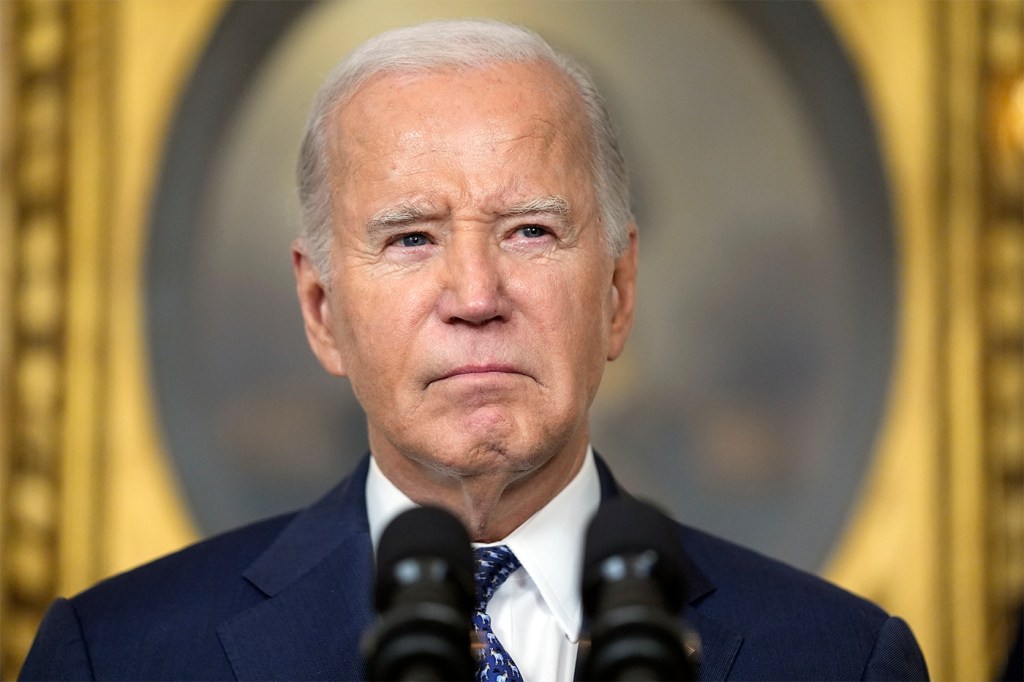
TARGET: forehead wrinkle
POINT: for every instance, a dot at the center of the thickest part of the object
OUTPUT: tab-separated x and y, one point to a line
539	130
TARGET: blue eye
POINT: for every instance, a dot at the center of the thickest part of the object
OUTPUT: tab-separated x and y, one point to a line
533	231
415	239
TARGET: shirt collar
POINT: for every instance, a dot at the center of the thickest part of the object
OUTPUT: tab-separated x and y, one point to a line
549	544
384	501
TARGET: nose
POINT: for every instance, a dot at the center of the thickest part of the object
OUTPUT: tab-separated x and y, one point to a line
474	290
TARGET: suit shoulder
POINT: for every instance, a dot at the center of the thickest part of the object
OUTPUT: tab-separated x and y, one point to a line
135	625
748	584
789	624
204	569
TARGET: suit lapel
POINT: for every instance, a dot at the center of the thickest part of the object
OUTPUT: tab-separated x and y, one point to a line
718	644
318	578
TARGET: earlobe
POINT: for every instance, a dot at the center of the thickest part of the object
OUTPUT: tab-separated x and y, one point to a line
623	295
317	314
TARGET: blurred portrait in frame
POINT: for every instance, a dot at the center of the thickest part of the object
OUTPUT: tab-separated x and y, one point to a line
752	391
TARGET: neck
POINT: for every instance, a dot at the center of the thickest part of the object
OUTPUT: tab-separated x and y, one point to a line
491	504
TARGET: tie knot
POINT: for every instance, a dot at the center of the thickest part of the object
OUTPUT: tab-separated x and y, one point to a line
493	566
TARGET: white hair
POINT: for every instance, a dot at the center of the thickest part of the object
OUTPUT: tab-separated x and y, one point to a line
437	46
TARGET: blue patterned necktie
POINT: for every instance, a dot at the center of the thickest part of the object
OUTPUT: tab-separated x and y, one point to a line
493	566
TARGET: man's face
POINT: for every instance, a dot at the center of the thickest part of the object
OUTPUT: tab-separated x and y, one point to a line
474	301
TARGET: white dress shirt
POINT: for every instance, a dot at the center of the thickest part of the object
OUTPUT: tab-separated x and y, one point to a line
537	613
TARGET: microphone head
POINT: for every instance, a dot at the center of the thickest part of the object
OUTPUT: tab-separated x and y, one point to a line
424	595
423	533
624	527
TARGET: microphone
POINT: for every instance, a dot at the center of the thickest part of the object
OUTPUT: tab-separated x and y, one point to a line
632	592
424	594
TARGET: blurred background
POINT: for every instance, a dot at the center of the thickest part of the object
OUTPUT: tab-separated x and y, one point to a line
827	362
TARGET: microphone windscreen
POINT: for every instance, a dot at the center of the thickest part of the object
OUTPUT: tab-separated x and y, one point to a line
420	533
625	526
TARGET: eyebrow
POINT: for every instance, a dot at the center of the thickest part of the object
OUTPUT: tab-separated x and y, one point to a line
551	205
402	215
397	215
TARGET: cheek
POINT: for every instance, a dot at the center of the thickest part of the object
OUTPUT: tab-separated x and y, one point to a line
578	316
378	323
598	308
592	297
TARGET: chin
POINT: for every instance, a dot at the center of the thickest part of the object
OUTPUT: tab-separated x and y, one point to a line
478	457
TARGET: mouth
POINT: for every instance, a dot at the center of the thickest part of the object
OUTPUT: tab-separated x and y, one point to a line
471	370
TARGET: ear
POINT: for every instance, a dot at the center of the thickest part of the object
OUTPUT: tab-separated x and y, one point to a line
317	313
623	295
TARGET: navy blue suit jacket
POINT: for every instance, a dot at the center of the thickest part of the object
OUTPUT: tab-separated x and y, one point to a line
289	598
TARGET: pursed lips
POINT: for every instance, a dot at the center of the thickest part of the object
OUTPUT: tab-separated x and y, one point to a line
490	368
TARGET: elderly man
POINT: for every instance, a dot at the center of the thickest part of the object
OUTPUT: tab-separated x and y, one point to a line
469	263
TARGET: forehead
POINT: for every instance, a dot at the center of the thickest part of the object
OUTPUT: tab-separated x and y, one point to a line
491	104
